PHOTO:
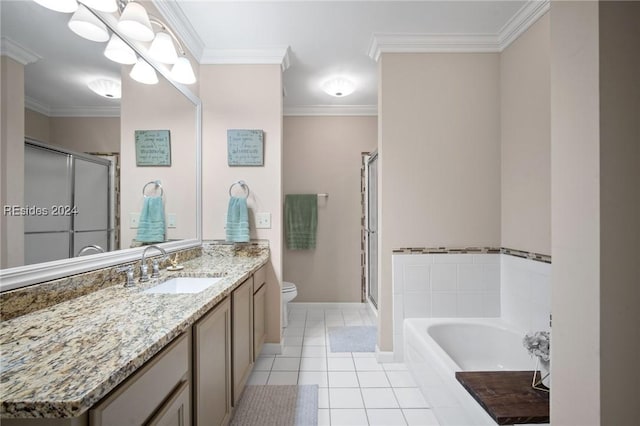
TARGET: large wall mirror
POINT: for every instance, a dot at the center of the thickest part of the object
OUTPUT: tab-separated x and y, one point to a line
99	160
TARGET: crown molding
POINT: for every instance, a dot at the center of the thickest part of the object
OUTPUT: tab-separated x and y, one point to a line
528	14
89	111
277	55
17	52
431	43
180	24
331	110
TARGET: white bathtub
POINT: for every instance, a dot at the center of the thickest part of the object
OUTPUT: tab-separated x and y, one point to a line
435	348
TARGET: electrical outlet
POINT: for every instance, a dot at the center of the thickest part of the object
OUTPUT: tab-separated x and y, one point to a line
171	220
263	220
134	218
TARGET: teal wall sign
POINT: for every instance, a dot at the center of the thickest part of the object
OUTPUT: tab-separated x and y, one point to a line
245	147
153	148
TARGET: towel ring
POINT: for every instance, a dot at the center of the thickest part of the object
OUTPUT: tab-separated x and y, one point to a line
244	187
157	184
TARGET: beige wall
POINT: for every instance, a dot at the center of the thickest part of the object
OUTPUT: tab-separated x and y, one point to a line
11	160
80	134
525	121
245	97
323	155
158	107
575	214
439	147
619	34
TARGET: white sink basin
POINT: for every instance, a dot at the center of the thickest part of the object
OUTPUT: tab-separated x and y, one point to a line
182	285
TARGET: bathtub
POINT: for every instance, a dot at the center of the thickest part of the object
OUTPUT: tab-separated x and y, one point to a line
435	348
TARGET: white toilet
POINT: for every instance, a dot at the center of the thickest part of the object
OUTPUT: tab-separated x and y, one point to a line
289	292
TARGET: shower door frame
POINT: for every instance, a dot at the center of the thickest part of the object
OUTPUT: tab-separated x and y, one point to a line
369	231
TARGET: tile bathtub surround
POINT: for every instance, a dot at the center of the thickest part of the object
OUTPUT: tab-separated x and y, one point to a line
470	282
15	303
106	335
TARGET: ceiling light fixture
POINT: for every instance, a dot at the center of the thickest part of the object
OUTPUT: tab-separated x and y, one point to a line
118	51
143	73
182	72
162	49
86	25
108	6
65	6
338	87
106	87
134	22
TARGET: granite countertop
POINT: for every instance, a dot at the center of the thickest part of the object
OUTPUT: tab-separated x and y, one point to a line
60	361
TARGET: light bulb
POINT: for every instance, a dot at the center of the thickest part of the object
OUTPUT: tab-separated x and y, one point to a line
86	25
162	49
182	72
134	22
144	73
118	51
66	6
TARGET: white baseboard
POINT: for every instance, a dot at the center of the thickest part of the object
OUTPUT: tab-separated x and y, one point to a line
325	305
384	356
271	349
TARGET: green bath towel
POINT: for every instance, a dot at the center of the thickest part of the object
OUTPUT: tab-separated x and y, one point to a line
301	221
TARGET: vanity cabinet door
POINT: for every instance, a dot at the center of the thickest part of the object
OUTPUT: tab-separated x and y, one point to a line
145	393
212	366
242	336
259	328
176	411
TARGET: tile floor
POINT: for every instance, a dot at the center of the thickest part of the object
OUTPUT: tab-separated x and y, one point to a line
354	389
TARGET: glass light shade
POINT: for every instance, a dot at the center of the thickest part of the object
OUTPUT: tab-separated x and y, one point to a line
106	87
108	6
339	87
86	25
162	49
182	72
66	6
118	51
144	73
134	22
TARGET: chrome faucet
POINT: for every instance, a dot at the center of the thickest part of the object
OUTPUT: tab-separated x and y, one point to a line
90	247
129	270
144	269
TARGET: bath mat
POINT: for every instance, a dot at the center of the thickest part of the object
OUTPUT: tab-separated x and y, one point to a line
352	339
289	405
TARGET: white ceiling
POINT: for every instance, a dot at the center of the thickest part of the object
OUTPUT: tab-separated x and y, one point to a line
312	40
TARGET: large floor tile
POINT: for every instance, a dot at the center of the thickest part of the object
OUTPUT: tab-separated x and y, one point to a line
319	378
373	379
345	398
385	417
348	417
368	364
379	398
286	364
420	417
283	378
341	364
343	379
401	379
410	398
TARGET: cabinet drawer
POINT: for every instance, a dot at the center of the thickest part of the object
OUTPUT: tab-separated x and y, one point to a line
135	400
259	278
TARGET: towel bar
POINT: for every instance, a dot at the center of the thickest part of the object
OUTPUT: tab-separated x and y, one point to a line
153	182
243	185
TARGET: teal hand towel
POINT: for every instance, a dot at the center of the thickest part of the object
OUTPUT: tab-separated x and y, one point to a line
301	221
151	226
237	228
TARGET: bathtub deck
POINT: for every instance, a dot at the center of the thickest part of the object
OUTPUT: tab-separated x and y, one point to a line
507	395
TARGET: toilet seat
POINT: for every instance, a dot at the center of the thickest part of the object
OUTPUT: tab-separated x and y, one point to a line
288	287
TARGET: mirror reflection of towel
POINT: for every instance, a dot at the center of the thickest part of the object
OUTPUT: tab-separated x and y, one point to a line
301	220
237	228
151	225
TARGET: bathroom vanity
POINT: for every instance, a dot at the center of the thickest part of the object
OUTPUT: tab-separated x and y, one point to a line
120	356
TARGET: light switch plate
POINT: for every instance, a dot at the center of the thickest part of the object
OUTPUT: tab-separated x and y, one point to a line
171	220
263	220
134	218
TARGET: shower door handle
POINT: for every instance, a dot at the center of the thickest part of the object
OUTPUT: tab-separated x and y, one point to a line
369	231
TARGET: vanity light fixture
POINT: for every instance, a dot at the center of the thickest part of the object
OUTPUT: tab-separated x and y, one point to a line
118	51
143	73
106	87
134	22
338	87
108	6
86	25
65	6
182	71
162	48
